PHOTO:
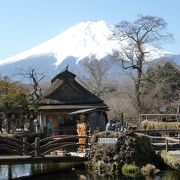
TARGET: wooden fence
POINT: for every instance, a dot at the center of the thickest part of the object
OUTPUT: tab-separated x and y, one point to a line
158	117
163	142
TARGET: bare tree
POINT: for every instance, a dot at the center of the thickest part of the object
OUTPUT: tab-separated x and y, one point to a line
120	103
139	37
97	71
34	79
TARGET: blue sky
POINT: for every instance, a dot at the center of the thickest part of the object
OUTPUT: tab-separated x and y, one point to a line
26	23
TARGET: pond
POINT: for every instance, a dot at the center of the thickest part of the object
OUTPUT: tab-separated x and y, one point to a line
51	171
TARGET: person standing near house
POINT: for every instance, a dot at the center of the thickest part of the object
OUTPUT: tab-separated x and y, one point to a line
1	123
109	125
37	126
49	128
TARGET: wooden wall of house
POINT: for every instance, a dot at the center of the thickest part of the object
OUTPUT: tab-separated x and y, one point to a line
96	121
59	122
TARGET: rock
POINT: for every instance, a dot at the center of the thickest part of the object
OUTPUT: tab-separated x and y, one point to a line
130	148
150	169
121	154
116	157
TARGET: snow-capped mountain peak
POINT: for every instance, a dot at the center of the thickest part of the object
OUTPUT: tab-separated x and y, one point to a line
70	47
81	40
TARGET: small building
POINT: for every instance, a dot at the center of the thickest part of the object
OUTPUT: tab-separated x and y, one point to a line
65	101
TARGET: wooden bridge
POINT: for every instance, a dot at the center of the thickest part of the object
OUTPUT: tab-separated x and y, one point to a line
40	150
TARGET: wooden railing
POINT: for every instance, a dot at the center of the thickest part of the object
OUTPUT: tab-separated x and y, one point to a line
171	139
49	144
41	147
15	146
157	117
165	141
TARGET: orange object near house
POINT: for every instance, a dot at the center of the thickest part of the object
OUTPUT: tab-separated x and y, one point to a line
82	131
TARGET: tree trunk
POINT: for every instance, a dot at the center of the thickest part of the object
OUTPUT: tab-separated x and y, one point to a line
138	84
139	79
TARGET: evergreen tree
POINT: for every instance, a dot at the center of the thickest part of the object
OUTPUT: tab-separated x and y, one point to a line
162	86
13	101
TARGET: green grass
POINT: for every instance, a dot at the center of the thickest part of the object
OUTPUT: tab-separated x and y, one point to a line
171	160
147	124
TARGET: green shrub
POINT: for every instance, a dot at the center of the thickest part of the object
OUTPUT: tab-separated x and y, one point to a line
131	170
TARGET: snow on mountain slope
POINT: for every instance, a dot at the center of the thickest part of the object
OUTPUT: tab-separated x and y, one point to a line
73	45
79	41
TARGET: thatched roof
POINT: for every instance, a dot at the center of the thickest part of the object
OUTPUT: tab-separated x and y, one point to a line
65	90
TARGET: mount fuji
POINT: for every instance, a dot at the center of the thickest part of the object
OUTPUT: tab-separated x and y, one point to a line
72	47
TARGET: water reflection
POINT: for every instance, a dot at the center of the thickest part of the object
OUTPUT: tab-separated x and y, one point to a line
14	171
51	171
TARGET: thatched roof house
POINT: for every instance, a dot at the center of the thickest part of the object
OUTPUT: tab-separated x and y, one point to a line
66	99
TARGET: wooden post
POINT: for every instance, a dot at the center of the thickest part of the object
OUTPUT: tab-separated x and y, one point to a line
179	139
24	145
167	145
89	136
9	171
88	142
122	119
36	146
